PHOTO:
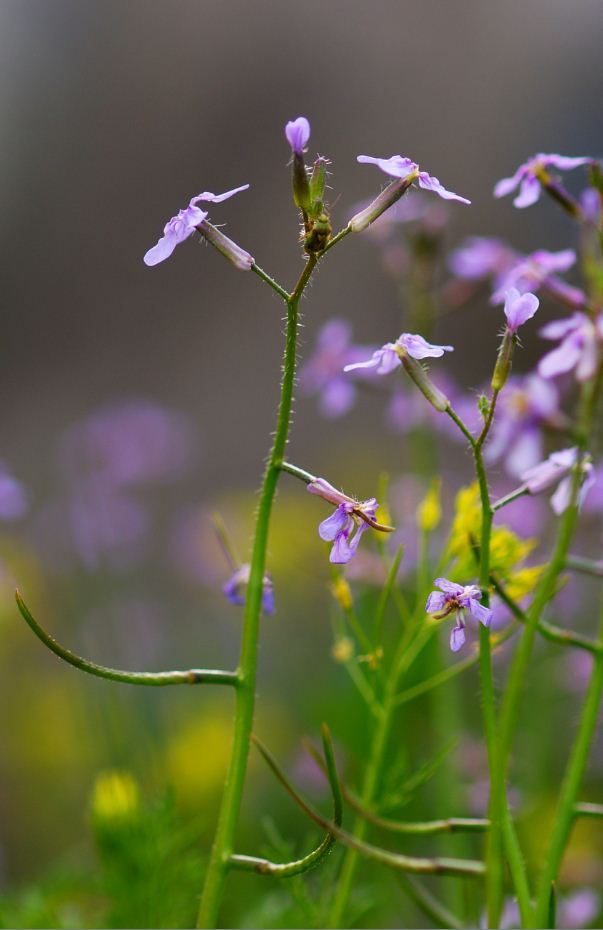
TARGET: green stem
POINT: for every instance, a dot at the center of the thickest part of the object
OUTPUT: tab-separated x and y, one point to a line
245	696
193	676
566	807
587	566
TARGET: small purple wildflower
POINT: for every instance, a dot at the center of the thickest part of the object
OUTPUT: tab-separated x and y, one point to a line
540	270
519	308
459	600
297	132
524	407
351	518
528	177
557	469
481	257
580	347
404	168
388	357
183	225
322	372
236	587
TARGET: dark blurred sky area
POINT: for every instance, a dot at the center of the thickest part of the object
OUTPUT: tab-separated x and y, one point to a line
115	112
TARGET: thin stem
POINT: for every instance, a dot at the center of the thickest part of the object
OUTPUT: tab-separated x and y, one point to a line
586	566
587	809
566	807
300	473
193	676
509	498
555	634
245	703
282	293
340	235
428	903
421	866
461	425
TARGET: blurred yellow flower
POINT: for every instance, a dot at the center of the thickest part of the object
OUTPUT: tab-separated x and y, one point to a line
115	797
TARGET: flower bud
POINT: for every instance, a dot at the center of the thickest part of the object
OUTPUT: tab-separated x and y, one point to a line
380	204
503	362
419	375
229	249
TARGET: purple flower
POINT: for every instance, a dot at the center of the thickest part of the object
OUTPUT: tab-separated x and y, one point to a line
297	132
13	497
557	469
481	257
529	177
183	225
129	443
235	589
540	270
455	599
580	347
388	357
345	526
519	308
322	372
404	168
526	404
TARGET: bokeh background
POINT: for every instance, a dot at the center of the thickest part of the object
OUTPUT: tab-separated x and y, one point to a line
114	114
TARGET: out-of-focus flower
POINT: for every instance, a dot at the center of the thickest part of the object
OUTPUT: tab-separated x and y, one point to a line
524	406
403	168
351	518
106	524
389	356
127	444
322	372
529	177
115	798
580	347
13	496
481	257
574	911
519	308
537	270
181	226
557	469
235	589
460	601
297	132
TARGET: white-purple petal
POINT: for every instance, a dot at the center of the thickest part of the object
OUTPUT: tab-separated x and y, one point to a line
529	192
435	602
164	248
397	166
519	308
330	528
449	587
218	198
383	360
481	613
457	638
297	132
430	183
419	348
562	359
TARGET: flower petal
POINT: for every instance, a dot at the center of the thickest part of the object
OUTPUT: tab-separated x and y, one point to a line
449	587
161	251
457	638
218	198
330	528
529	192
481	613
435	602
429	183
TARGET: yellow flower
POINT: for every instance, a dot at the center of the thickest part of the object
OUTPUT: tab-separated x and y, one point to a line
115	797
429	511
343	650
342	593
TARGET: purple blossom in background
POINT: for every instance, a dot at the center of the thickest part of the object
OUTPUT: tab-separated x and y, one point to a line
351	518
459	600
575	911
557	469
13	496
399	167
580	346
387	358
235	589
526	404
481	257
519	308
527	177
407	409
130	443
322	372
297	132
183	225
540	270
106	525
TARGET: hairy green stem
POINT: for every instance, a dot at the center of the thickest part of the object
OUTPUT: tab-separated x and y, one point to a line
219	862
566	807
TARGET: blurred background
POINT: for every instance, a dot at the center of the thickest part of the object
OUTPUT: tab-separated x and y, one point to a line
137	401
